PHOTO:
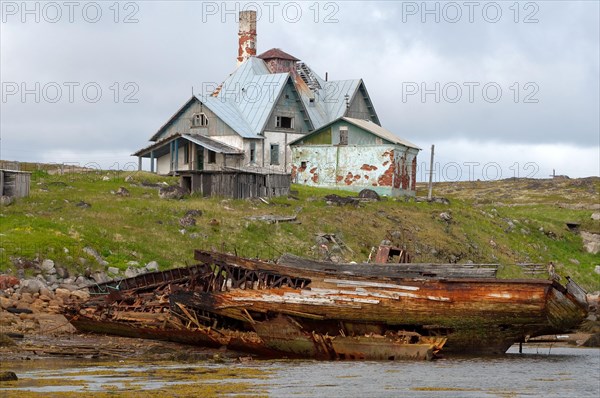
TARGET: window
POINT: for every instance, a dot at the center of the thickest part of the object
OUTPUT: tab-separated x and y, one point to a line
212	156
199	120
186	153
284	122
343	135
274	153
252	152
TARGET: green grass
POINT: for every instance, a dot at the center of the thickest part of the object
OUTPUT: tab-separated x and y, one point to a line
142	227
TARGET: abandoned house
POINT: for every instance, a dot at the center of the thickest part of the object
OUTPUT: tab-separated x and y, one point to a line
355	154
243	129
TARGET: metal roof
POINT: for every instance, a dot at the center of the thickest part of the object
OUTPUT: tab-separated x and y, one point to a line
380	131
212	145
247	97
277	53
369	126
160	148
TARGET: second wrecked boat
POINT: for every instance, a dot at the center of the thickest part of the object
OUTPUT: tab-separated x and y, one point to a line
304	308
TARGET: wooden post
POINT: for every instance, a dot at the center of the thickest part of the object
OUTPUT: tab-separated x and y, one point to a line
152	161
429	197
139	163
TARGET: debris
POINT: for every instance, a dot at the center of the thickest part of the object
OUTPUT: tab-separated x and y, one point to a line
122	191
272	219
83	205
341	200
172	192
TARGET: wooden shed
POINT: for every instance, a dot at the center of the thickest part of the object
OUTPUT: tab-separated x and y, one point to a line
14	183
237	183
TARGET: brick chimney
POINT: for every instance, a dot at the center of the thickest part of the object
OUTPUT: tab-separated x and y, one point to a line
247	36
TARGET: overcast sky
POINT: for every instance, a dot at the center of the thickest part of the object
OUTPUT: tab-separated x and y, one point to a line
500	88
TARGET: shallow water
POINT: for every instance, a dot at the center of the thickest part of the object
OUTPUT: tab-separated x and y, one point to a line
541	371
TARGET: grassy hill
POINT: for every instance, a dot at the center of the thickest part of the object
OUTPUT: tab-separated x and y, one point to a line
507	221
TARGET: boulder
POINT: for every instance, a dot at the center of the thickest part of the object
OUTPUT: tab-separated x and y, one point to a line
113	270
130	272
369	194
8	376
152	266
591	242
122	191
5	200
62	293
100	277
47	267
445	216
172	192
91	252
187	221
80	294
62	272
31	286
596	216
7	281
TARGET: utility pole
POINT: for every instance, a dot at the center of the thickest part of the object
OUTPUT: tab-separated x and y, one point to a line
429	197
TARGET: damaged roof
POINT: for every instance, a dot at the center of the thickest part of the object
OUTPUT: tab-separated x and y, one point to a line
248	96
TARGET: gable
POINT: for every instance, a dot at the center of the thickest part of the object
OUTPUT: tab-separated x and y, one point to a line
289	105
361	106
181	122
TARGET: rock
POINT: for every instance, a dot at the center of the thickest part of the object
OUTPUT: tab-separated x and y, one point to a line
122	191
54	324
133	263
6	303
5	200
445	216
7	281
130	272
106	178
574	261
31	286
214	222
93	253
100	277
83	205
8	376
369	194
51	279
113	270
591	242
47	266
597	269
62	293
172	192
80	294
193	213
82	281
596	216
62	272
187	221
152	266
129	178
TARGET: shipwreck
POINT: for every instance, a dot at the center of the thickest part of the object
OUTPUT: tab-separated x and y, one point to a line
300	308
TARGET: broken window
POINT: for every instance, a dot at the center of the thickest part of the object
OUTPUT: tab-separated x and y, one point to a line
343	135
212	156
199	120
274	153
252	152
284	122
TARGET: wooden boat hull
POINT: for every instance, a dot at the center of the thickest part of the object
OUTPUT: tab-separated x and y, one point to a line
321	310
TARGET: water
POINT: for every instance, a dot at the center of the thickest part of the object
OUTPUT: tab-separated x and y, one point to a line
541	371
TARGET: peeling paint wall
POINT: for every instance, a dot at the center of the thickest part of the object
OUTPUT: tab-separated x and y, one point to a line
387	169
